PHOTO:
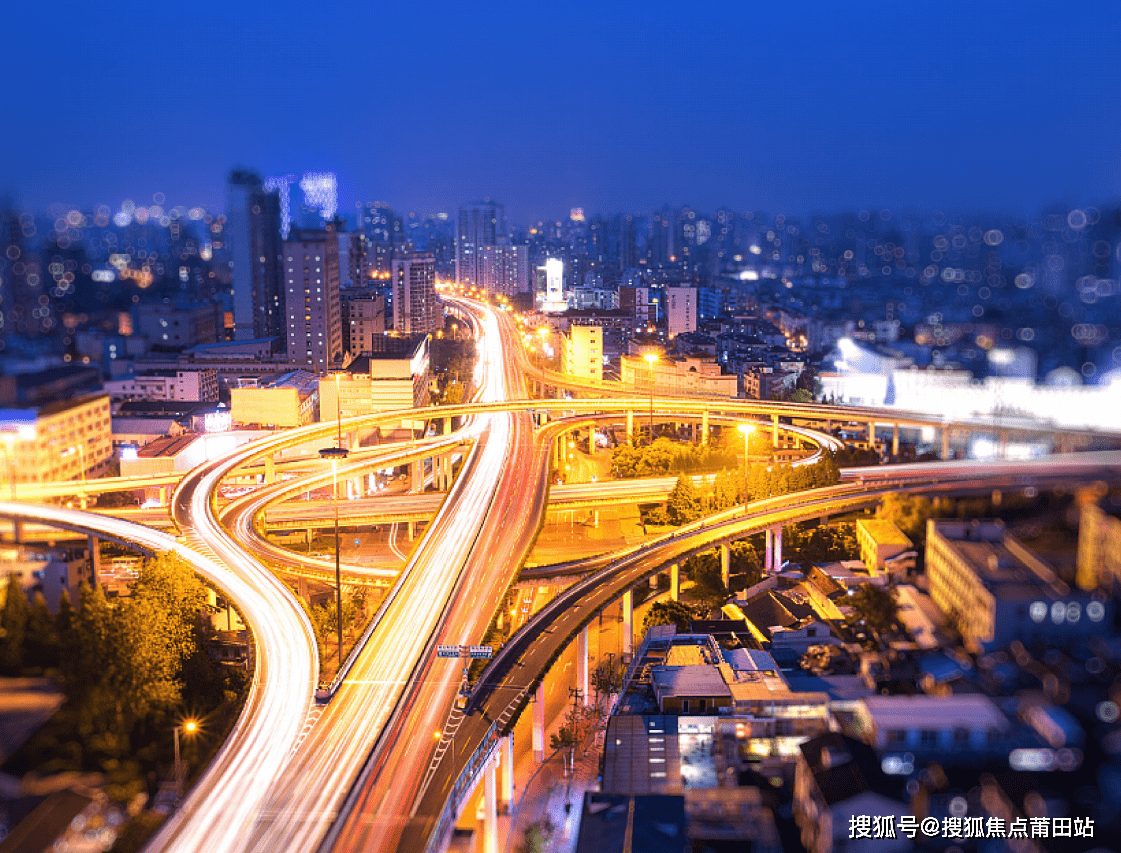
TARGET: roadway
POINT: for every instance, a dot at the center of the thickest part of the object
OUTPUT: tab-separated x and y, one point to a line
230	791
505	686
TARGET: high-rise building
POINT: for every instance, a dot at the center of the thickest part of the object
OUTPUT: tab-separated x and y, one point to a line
311	277
681	310
363	319
583	352
414	292
253	236
505	269
479	224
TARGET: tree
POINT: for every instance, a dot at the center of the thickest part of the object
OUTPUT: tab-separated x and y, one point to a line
684	504
40	642
709	585
667	613
727	490
13	625
876	606
538	836
744	560
907	512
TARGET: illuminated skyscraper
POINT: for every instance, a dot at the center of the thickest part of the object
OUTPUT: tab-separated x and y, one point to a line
414	293
253	235
479	224
505	269
311	279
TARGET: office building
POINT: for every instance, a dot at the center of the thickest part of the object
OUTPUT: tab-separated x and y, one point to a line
253	235
395	376
65	440
478	224
681	310
993	590
414	293
677	375
311	277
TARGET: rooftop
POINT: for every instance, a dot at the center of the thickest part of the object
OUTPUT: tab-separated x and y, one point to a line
967	710
884	532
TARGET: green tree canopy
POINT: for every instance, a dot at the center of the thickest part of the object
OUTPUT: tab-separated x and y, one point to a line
667	613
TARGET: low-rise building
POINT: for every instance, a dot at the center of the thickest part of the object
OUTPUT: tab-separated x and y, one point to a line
880	540
286	400
697	375
836	779
964	726
767	383
396	377
1099	549
993	590
49	569
176	324
188	385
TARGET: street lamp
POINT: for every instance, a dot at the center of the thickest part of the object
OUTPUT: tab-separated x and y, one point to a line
189	727
747	430
335	454
338	411
651	358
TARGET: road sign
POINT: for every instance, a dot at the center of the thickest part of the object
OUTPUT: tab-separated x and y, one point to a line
481	651
448	651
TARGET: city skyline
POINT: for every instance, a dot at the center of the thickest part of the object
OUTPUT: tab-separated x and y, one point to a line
935	106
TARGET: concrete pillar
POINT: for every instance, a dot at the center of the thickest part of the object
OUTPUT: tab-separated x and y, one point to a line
774	430
778	549
872	434
539	723
556	454
767	560
704	428
270	469
726	563
447	426
490	806
630	426
508	772
416	476
895	440
163	495
653	581
412	530
582	664
94	545
595	518
945	442
674	582
628	622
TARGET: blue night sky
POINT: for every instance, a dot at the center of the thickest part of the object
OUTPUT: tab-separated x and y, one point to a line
793	107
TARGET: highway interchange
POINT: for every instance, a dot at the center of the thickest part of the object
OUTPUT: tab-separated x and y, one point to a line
362	771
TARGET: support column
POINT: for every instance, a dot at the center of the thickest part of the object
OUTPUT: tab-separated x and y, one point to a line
582	664
556	455
774	430
630	426
653	581
302	589
726	564
704	428
412	530
270	469
490	801
94	546
895	440
628	622
595	518
539	723
778	549
945	443
163	495
767	560
508	772
674	582
447	426
416	476
872	435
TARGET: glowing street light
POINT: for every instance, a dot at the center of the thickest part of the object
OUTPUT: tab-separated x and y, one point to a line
335	454
189	728
651	358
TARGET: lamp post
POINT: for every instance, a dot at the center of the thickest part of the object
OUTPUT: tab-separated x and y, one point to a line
746	430
189	727
651	358
335	454
338	411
